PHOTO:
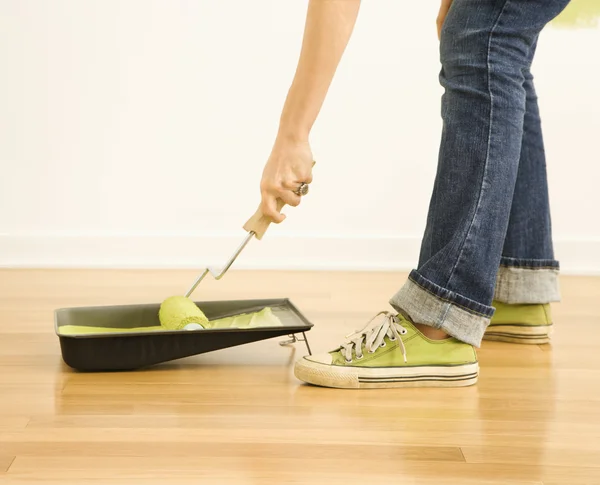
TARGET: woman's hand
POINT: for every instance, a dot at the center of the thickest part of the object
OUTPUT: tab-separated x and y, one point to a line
444	7
289	165
329	25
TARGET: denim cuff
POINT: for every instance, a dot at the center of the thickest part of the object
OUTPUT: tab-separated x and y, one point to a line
425	302
527	281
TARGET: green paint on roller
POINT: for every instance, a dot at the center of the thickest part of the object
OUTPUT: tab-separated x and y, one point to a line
178	311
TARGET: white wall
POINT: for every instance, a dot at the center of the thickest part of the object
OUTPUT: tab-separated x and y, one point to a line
133	133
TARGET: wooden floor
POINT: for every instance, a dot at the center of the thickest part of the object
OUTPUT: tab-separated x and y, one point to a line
240	417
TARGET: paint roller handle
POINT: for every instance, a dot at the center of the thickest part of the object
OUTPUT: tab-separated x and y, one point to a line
259	223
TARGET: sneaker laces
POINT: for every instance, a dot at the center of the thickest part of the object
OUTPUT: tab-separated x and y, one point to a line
373	334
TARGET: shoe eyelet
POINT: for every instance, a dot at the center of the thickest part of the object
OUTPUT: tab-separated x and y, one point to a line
404	332
371	351
360	358
393	339
348	361
383	344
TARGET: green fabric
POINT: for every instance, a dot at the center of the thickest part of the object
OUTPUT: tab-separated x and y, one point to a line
533	315
420	350
264	318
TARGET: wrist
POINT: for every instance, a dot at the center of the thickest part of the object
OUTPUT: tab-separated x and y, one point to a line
290	133
295	121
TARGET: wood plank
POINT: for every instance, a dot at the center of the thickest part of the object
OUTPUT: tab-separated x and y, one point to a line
5	463
13	422
569	453
264	469
256	450
335	434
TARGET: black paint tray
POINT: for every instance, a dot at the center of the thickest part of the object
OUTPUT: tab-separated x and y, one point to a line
134	350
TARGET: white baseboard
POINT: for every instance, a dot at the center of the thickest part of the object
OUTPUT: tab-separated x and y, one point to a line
353	253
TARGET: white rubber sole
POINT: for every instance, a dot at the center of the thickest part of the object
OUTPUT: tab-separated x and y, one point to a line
519	334
343	377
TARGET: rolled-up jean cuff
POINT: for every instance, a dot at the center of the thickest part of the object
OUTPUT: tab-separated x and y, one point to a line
425	302
527	281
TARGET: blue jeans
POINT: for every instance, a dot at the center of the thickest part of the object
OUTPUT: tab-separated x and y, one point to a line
488	233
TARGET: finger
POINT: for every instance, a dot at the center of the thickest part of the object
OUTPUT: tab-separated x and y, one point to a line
305	175
290	198
294	184
290	185
268	207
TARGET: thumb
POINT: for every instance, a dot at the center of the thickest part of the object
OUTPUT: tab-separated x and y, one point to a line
269	209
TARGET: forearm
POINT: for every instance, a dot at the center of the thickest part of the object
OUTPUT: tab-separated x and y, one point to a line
329	25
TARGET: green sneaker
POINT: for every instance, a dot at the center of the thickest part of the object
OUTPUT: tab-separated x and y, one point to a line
391	352
521	324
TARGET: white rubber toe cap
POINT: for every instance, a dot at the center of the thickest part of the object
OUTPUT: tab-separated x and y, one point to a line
326	359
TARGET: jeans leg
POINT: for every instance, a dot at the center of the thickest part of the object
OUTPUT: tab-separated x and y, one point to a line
528	270
484	49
